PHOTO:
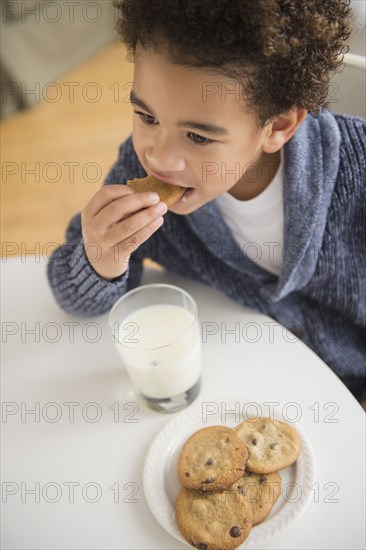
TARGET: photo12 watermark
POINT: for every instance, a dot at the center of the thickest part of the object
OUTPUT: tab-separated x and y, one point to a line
50	172
291	412
70	11
53	412
234	91
67	91
71	492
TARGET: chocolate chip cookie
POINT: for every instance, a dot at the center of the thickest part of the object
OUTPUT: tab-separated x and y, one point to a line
167	192
272	445
213	521
261	491
212	459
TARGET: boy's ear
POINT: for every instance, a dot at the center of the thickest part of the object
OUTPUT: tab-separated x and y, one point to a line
282	129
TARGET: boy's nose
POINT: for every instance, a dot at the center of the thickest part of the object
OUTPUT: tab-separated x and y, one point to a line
165	158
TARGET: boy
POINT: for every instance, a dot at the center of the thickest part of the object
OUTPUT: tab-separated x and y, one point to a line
227	100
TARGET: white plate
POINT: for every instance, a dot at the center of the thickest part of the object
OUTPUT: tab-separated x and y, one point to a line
161	485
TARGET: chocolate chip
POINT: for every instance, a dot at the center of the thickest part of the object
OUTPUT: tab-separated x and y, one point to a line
209	462
201	546
254	441
209	480
235	531
241	490
264	478
187	474
273	445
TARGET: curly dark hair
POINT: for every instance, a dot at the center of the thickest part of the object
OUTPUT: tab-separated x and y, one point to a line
283	52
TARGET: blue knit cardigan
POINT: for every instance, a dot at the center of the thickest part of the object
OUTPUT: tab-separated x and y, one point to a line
321	292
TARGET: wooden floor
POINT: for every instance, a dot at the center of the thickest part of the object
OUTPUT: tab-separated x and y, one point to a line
56	155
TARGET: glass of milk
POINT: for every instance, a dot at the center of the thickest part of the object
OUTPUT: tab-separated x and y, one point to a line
156	330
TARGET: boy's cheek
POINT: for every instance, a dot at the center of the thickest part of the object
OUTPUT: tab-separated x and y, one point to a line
139	150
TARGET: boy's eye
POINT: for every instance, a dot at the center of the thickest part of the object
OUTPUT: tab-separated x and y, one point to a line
146	119
195	138
199	140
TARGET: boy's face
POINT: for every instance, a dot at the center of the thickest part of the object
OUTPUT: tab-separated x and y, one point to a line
191	128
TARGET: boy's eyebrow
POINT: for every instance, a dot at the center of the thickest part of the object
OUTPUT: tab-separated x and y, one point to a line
210	128
136	100
203	127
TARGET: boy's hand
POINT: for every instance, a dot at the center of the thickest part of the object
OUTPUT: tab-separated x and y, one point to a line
115	222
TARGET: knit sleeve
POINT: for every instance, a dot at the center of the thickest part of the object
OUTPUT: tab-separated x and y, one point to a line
76	286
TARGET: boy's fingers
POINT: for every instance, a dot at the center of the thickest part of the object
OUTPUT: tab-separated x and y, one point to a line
130	245
122	208
104	196
133	224
109	194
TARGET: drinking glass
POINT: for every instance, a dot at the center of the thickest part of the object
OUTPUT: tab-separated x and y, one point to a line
156	330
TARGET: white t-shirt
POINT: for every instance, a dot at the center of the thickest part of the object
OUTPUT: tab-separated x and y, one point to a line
257	224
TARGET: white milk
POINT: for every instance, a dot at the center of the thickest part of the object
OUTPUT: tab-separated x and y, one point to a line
160	361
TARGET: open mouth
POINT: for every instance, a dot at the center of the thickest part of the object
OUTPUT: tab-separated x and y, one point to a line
187	193
169	182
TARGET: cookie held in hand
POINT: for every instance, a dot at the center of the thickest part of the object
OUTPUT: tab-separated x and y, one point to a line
212	459
272	445
213	521
168	193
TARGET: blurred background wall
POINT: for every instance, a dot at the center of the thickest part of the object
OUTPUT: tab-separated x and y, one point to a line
65	110
348	88
40	40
